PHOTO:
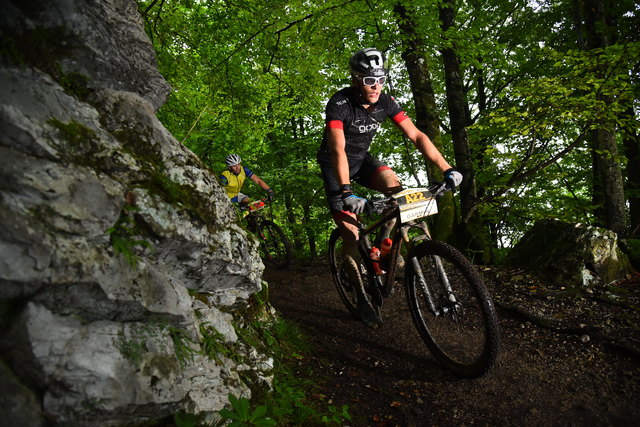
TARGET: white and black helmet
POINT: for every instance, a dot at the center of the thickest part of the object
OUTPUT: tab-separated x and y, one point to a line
232	160
368	62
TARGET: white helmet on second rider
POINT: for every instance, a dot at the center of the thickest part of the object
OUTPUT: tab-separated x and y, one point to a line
232	160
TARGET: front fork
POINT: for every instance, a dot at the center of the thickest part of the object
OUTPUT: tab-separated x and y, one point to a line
417	268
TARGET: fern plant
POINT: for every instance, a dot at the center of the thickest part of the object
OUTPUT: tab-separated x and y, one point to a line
241	414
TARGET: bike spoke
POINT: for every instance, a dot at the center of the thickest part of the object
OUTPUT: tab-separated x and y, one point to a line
274	246
453	312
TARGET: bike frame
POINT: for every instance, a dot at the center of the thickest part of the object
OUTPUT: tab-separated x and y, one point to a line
460	329
382	289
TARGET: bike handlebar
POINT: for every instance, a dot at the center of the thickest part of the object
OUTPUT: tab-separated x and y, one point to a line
264	200
378	206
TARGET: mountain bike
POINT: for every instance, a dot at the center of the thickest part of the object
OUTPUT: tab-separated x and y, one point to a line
449	303
274	246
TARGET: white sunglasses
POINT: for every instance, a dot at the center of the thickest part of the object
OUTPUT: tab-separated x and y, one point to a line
370	81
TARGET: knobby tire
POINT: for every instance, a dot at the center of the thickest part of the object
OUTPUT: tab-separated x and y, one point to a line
365	278
345	290
274	245
467	339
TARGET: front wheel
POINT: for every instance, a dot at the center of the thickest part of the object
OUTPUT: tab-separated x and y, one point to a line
452	309
274	245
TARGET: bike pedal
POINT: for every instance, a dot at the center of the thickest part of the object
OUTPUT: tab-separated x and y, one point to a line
371	319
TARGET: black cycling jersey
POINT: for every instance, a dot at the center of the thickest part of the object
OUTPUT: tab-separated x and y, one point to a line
359	125
344	111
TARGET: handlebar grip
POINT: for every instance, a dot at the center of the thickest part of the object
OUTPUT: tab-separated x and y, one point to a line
368	207
451	186
439	188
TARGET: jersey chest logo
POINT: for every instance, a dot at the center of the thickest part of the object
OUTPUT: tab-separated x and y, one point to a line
366	127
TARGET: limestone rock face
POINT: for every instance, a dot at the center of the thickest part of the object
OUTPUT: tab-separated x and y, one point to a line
117	248
572	254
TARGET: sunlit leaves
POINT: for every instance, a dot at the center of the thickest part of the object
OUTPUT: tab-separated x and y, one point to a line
253	77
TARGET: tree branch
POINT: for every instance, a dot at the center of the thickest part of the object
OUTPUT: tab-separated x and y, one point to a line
519	177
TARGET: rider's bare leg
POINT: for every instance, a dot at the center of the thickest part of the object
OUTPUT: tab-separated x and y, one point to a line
347	223
244	200
386	181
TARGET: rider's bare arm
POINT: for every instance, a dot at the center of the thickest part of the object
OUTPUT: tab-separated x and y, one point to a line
255	178
423	144
336	144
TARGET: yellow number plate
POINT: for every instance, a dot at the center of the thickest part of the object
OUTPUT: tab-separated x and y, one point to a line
415	203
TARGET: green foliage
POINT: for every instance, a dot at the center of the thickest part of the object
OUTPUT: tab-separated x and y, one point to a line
631	248
182	419
213	345
134	344
182	345
124	236
288	402
242	415
540	154
253	78
132	349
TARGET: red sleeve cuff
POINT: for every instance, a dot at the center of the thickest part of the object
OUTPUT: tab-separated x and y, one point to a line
335	124
400	117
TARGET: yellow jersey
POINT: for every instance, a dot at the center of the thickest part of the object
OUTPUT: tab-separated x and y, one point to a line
233	183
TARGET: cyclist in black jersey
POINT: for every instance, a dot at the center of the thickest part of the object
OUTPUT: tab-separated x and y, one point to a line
352	116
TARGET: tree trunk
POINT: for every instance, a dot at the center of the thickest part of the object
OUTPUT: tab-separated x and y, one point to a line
425	103
471	233
607	169
632	152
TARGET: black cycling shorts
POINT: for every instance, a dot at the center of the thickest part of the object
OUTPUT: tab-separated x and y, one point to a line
361	172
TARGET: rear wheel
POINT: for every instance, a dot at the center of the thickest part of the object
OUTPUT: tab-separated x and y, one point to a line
346	291
342	267
452	309
274	245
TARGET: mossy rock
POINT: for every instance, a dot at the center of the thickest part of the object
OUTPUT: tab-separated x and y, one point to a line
570	254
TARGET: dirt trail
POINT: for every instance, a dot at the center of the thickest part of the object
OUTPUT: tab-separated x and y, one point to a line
590	376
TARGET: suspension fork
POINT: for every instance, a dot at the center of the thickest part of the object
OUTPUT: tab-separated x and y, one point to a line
417	268
444	279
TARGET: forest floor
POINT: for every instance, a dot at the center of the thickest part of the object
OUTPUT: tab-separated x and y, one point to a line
567	358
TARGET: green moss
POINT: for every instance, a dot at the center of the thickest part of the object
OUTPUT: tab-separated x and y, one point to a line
37	47
75	84
75	133
78	144
138	146
182	345
132	349
125	236
44	49
156	179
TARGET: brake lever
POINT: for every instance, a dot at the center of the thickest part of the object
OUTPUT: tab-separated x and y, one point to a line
440	188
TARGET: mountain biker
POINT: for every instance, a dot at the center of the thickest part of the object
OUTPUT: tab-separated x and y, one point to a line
352	117
233	178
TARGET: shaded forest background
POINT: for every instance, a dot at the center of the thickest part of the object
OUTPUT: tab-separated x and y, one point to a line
536	102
